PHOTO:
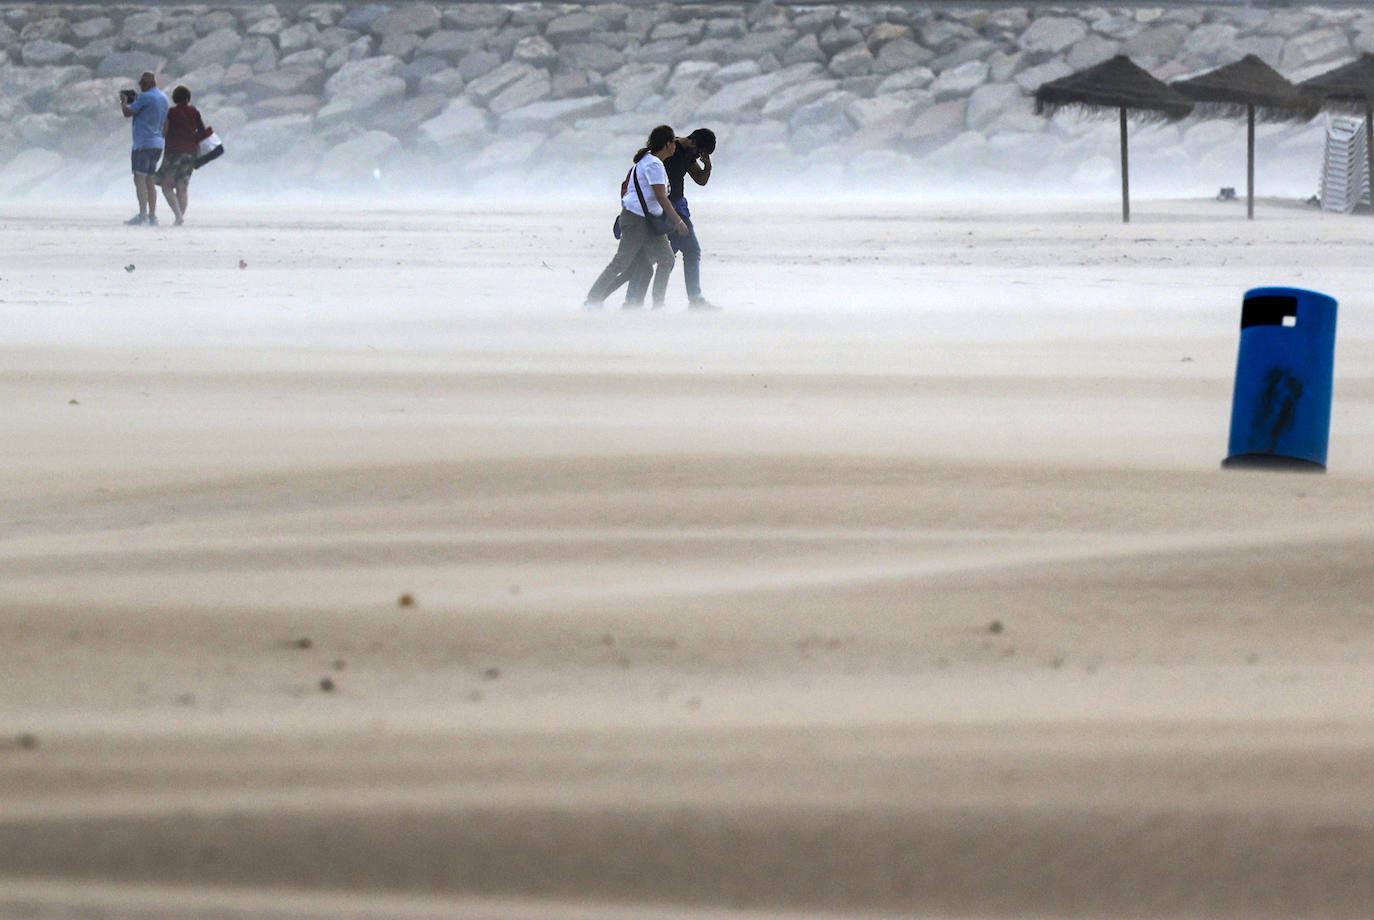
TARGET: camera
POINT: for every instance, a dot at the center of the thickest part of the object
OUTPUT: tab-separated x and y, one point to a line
128	95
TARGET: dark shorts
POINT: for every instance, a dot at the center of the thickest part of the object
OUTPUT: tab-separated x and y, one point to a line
145	160
177	166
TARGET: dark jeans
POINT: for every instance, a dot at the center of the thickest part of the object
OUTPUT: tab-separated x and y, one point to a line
642	270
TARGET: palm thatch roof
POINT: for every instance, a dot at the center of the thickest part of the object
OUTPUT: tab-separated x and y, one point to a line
1349	86
1230	91
1118	83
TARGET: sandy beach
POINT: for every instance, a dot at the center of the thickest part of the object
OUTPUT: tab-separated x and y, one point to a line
349	569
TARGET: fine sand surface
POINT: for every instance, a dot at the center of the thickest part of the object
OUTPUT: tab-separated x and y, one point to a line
376	579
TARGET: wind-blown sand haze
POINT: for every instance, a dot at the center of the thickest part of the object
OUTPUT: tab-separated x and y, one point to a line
376	578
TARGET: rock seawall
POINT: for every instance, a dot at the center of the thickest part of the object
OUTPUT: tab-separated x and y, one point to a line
461	96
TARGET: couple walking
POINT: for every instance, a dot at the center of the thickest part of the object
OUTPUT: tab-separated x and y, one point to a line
654	192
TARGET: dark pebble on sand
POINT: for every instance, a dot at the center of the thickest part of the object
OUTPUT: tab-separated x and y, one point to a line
340	664
326	685
491	673
995	627
405	600
304	642
27	741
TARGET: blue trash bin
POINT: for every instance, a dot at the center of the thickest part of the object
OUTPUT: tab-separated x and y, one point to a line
1281	407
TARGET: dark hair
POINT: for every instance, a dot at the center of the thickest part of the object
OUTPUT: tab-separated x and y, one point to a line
659	138
181	95
705	139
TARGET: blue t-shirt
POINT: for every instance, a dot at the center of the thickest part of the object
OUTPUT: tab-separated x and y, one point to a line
150	111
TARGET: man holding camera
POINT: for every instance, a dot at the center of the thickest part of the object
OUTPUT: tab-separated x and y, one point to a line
148	109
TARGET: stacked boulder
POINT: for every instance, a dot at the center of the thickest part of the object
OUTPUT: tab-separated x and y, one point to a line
448	97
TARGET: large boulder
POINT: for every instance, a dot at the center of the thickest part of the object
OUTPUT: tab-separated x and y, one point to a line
358	159
219	47
542	116
267	139
420	19
488	86
43	53
458	127
1052	34
532	87
738	99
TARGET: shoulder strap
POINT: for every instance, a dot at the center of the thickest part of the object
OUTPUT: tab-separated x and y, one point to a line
634	172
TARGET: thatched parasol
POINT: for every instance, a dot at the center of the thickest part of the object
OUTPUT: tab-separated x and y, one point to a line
1350	87
1241	88
1115	84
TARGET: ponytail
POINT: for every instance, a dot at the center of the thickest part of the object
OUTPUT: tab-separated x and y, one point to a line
639	156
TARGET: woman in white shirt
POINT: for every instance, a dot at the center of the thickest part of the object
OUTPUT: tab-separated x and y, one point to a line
635	233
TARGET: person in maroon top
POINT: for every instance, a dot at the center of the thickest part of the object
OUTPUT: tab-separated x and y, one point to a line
182	131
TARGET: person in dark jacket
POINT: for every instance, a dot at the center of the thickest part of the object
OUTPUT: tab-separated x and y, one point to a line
182	133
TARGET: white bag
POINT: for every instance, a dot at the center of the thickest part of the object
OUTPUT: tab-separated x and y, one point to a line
209	148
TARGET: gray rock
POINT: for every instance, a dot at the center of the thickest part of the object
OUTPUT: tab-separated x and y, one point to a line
466	16
891	112
267	139
268	26
805	50
43	53
286	105
43	129
1032	78
944	35
541	116
206	23
287	81
399	45
129	64
590	56
864	85
504	41
49	29
944	119
574	27
1314	48
1052	35
785	102
458	127
733	73
167	42
1002	66
1291	23
310	57
402	120
420	19
220	47
691	30
690	75
358	50
736	99
94	98
633	83
725	27
334	38
1092	50
827	110
906	80
357	78
757	45
356	102
530	88
1118	27
139	25
452	45
362	18
298	37
359	159
976	50
1012	20
259	53
960	81
478	64
418	69
447	83
1210	42
899	55
853	61
1158	41
837	38
482	89
91	29
535	50
989	102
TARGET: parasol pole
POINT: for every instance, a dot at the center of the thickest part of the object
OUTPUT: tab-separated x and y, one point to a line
1125	173
1250	162
1369	147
